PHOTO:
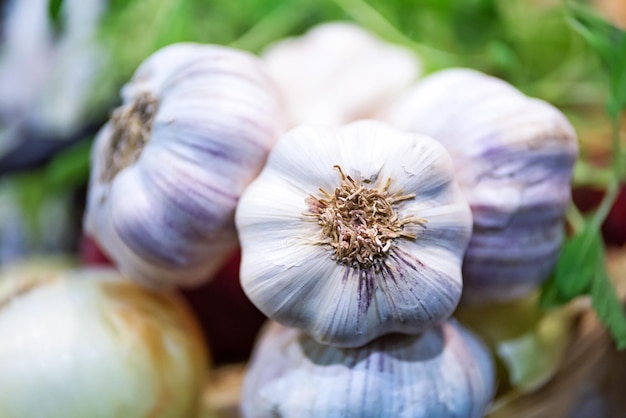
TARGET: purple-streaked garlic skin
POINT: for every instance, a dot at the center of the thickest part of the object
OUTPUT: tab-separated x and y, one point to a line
167	218
291	272
513	158
338	72
443	372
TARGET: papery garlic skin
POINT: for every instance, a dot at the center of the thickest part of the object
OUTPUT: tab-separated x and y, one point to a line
87	343
444	372
47	73
296	280
164	210
513	157
338	72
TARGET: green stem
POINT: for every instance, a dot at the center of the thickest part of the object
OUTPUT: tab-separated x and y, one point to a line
575	219
275	25
606	204
370	18
614	185
586	174
616	145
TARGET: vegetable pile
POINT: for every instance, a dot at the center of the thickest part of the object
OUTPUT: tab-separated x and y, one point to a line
381	216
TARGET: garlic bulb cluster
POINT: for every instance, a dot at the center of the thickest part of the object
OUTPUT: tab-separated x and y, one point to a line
338	72
513	157
355	232
167	170
87	343
443	372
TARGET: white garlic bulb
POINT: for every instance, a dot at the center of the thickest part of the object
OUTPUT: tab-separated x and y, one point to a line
354	232
48	73
338	72
167	170
87	343
444	372
513	157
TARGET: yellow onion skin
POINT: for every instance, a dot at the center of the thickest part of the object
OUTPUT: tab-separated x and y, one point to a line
88	343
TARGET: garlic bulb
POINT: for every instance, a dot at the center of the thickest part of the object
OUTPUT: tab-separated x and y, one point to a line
355	232
337	73
48	73
513	157
86	343
167	170
444	372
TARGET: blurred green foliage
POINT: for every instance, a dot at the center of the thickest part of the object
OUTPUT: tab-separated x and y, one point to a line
54	11
528	43
60	177
581	268
609	44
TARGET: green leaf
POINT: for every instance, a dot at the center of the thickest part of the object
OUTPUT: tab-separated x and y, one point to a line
31	193
581	258
528	342
534	357
69	168
608	307
54	13
609	43
550	296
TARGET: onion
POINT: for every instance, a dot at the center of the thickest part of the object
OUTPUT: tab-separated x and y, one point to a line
88	343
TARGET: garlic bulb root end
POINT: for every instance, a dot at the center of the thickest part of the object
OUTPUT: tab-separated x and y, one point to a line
360	222
131	125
